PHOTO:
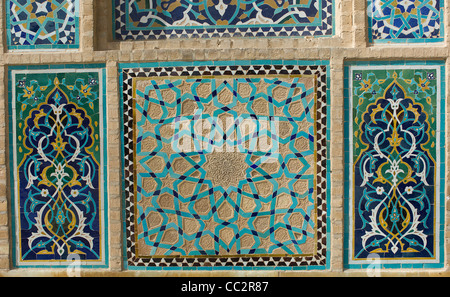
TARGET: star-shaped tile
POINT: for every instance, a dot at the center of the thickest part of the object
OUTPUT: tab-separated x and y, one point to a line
41	7
210	225
167	182
145	202
283	182
261	86
266	243
189	246
185	88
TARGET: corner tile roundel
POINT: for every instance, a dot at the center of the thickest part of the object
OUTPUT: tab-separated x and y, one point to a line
58	166
225	166
149	19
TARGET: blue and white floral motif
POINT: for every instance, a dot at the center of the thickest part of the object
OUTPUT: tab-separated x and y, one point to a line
148	19
394	164
405	20
57	167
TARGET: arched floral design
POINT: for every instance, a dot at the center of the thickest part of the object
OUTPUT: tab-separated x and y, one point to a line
394	166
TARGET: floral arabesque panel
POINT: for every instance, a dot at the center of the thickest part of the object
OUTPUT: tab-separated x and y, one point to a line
225	166
42	24
149	19
58	167
395	162
406	21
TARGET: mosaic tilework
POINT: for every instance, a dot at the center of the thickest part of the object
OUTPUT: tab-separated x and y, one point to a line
406	20
225	166
58	166
148	19
42	24
395	160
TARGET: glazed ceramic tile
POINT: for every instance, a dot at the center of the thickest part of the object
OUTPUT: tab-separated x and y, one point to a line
225	166
148	19
42	24
395	161
58	166
406	21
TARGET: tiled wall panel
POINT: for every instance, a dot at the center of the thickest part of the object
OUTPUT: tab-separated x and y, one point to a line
147	19
225	166
58	166
395	163
407	21
43	24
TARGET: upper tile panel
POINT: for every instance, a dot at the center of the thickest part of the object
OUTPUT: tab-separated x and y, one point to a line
151	19
406	21
42	24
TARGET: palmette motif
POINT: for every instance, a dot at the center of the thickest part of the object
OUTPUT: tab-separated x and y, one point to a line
210	180
44	24
394	169
58	167
407	20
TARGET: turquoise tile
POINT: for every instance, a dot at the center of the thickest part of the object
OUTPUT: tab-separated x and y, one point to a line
348	151
100	259
189	212
60	20
391	266
288	23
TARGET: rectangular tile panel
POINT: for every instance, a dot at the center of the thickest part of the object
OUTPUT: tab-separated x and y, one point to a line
58	172
395	162
225	166
148	19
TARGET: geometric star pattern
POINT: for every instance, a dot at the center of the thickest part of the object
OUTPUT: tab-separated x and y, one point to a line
144	19
406	20
395	127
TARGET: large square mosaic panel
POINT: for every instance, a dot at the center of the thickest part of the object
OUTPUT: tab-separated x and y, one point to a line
58	165
42	24
150	19
225	165
395	156
406	21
